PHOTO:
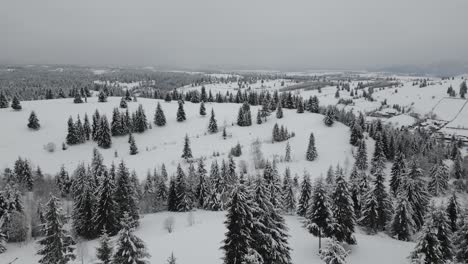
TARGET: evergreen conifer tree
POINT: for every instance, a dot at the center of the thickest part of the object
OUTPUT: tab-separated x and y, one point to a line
239	222
104	251
105	213
104	134
212	126
86	127
342	211
129	249
202	109
183	202
102	97
439	177
180	112
319	216
3	100
461	243
428	247
16	104
57	244
402	224
279	111
72	137
453	212
125	195
172	196
159	117
133	147
33	121
397	172
361	157
187	151
329	118
305	196
311	153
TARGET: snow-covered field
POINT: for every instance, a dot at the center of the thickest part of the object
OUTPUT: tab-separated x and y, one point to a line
164	144
200	243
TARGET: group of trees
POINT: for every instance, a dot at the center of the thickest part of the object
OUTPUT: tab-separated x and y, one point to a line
281	133
98	131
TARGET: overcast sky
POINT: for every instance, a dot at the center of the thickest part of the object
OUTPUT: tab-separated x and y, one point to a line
252	33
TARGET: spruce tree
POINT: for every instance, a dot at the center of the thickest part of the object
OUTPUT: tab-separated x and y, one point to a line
123	103
180	112
369	214
239	223
384	204
104	251
356	134
402	224
259	118
140	123
329	118
80	131
133	147
414	188
86	127
33	121
311	153
453	212
16	104
104	139
342	211
319	215
172	196
130	249
95	125
397	172
270	233
116	123
125	195
379	159
305	196
77	99
83	206
439	177
428	247
187	151
57	246
183	202
443	232
279	111
202	109
461	243
3	100
72	137
159	117
287	155
212	126
361	157
289	199
106	209
102	97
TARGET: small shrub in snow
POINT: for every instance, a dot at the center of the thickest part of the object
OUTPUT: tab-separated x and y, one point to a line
334	253
64	146
169	224
50	147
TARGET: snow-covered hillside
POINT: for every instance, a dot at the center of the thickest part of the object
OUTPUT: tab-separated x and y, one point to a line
164	144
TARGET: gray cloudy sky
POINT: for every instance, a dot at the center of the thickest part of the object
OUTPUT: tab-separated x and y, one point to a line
250	33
